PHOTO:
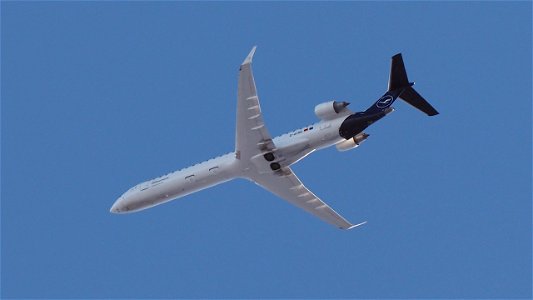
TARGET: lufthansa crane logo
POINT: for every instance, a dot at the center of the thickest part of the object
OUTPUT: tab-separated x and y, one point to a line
384	101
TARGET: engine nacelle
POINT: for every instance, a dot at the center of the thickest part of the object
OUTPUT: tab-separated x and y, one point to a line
352	143
331	110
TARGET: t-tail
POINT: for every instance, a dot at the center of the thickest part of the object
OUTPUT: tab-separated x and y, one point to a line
399	86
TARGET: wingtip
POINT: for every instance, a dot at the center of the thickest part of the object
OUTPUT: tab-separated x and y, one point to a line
250	56
356	225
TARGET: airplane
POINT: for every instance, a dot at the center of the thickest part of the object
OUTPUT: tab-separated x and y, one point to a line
267	161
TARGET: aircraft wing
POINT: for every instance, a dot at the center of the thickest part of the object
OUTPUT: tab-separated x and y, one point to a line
252	137
286	185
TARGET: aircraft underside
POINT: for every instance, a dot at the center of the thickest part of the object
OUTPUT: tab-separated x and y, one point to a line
265	160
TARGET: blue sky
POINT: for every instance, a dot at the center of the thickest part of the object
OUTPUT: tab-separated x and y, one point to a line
99	96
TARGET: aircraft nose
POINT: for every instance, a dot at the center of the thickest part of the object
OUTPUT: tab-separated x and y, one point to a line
117	207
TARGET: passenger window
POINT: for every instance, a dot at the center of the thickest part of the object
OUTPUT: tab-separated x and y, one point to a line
213	170
189	178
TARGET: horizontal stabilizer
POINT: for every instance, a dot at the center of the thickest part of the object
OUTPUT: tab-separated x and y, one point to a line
410	96
398	82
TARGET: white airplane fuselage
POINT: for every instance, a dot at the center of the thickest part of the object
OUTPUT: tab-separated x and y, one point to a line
292	146
265	160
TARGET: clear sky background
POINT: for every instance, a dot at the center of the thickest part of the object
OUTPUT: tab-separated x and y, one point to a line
99	96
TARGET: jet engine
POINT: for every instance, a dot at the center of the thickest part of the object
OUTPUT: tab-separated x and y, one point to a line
352	143
331	110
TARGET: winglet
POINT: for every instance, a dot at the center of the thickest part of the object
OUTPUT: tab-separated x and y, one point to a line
248	59
356	225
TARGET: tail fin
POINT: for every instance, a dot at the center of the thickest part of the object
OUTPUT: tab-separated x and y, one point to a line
398	76
398	81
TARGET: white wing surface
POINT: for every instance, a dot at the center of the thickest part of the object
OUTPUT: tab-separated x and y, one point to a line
252	137
286	185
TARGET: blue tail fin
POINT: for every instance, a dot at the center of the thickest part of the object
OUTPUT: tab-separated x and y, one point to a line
399	86
397	76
